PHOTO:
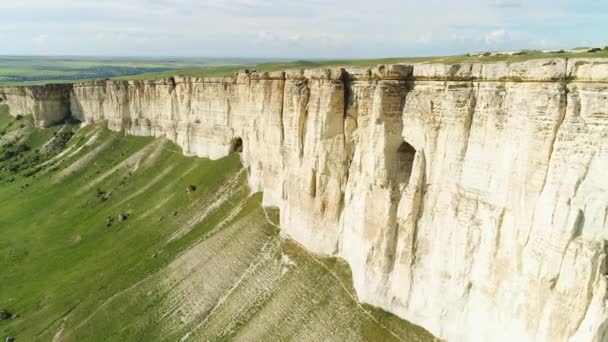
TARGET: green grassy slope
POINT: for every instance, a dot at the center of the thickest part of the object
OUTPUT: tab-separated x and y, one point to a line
202	265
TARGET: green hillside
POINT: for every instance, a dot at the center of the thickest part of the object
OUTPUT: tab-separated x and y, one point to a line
105	237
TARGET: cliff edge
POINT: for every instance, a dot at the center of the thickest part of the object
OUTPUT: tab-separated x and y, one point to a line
470	199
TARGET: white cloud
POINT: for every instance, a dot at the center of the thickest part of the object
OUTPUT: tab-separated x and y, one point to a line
496	37
506	4
547	44
40	39
426	38
287	28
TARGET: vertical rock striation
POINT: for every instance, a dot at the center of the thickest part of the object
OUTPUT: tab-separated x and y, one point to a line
471	198
49	104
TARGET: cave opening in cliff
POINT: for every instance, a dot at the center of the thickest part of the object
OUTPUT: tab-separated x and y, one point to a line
405	162
236	145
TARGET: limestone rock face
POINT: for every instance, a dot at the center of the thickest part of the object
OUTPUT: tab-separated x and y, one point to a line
471	199
49	104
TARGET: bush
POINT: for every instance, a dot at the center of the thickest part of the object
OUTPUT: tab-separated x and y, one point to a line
5	315
22	148
8	155
61	139
32	172
102	195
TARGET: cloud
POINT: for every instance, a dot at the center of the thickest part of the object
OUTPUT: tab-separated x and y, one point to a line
506	4
496	37
40	39
547	44
425	38
294	28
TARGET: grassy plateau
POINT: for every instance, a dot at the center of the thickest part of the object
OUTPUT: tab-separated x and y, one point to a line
105	237
40	70
279	66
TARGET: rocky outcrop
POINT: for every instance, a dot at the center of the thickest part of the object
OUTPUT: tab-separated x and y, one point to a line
49	104
470	199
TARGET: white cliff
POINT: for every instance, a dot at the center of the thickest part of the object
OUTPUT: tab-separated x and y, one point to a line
471	199
48	104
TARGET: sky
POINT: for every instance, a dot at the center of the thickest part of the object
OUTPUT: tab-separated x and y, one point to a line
296	28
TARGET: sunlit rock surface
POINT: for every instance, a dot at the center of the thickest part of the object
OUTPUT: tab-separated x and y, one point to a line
48	104
471	199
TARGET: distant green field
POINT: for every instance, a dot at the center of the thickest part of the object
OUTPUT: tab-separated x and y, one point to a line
230	70
101	241
39	70
30	70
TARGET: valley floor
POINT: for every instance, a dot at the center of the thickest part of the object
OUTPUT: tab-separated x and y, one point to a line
111	238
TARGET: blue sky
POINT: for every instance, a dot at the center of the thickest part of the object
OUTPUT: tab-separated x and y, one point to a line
296	29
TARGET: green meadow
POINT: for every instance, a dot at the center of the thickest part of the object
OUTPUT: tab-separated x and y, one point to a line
105	237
